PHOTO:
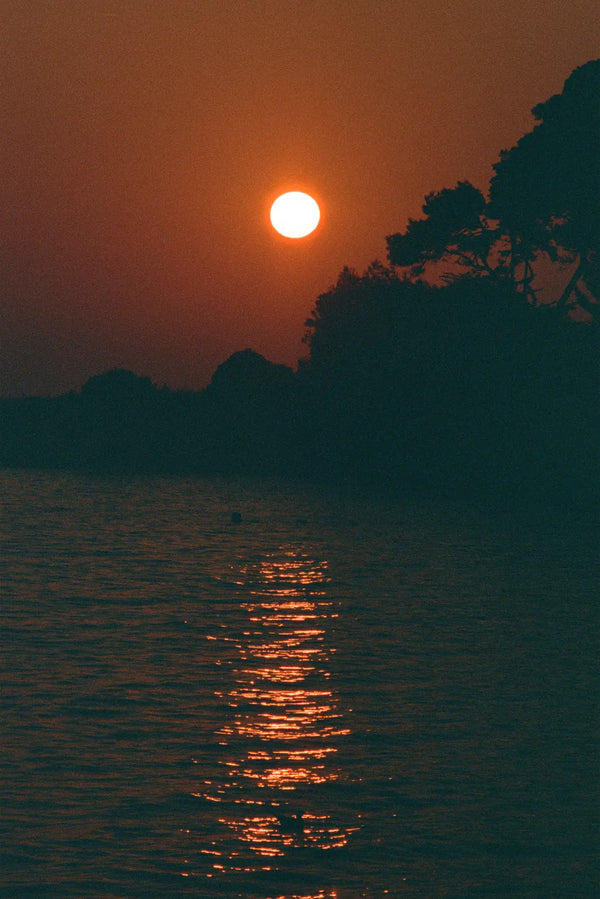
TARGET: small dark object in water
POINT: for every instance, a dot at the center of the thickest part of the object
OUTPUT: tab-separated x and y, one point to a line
291	824
236	518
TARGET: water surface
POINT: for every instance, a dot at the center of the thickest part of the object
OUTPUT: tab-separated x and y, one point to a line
337	697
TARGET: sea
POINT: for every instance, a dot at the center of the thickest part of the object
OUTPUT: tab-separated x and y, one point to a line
268	689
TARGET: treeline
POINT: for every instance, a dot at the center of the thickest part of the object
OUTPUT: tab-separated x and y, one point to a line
121	422
474	385
448	389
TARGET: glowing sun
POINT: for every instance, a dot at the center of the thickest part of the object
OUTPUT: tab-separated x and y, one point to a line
295	214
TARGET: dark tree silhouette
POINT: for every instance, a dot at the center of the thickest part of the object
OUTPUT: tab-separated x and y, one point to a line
452	389
251	406
245	376
374	350
454	229
546	190
355	318
459	230
118	418
544	198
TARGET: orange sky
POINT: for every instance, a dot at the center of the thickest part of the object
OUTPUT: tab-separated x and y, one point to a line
142	144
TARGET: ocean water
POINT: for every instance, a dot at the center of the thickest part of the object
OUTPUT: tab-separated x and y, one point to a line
338	696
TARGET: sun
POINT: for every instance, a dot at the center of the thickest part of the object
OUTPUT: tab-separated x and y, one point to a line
295	214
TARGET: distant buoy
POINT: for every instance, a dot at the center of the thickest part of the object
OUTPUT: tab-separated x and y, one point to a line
291	824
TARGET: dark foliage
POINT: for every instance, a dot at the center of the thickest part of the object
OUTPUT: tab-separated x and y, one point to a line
454	229
460	389
120	422
546	190
252	415
544	199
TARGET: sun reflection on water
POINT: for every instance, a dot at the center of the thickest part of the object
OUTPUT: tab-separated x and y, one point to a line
279	745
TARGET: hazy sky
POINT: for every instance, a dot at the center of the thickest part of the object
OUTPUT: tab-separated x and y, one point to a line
143	141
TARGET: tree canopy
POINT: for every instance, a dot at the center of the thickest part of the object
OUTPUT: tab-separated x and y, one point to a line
546	189
544	199
454	229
